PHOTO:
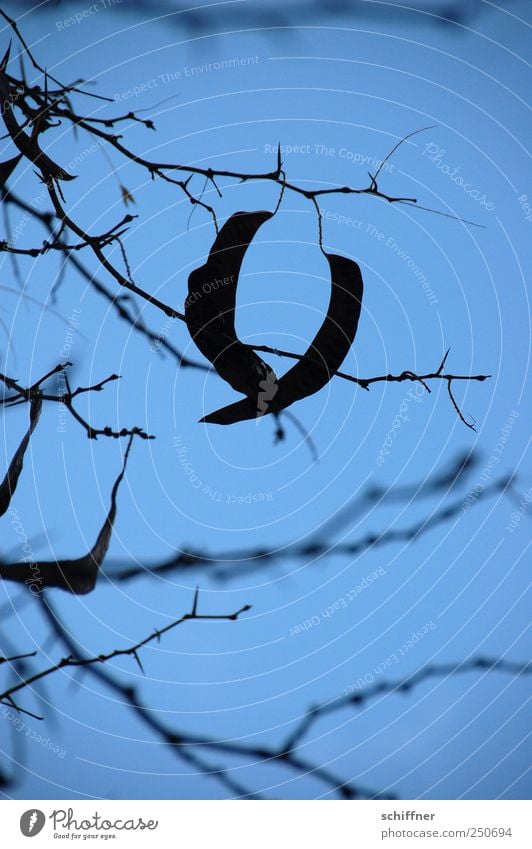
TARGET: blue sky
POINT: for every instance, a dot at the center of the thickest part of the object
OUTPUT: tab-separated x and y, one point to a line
343	93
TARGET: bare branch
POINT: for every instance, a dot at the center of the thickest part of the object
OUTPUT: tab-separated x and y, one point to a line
76	661
224	566
356	698
34	392
196	749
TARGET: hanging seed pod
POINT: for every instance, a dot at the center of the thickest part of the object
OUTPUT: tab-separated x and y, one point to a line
211	302
77	576
9	484
324	355
7	168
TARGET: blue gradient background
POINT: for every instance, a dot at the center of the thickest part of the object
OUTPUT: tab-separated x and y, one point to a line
347	83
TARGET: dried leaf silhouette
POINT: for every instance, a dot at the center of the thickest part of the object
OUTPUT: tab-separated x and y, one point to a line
77	576
7	168
27	145
9	484
210	307
323	357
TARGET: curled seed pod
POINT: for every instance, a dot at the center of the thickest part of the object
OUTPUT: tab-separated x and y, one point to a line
323	357
211	302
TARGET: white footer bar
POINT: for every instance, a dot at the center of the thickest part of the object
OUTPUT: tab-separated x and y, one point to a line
268	825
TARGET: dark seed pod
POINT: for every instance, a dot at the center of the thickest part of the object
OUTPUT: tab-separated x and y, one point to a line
324	355
210	307
78	576
7	168
9	484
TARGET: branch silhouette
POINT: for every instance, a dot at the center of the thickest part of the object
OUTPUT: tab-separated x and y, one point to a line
230	565
34	393
133	319
6	697
29	111
356	700
198	750
56	106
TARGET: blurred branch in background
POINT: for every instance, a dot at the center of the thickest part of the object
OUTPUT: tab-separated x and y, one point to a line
198	751
197	20
231	565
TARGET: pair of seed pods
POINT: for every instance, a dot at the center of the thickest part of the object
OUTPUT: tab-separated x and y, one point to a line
210	316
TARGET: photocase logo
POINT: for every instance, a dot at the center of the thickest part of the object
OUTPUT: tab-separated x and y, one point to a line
32	822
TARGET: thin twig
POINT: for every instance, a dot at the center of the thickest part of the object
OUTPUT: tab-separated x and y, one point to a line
75	661
23	394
